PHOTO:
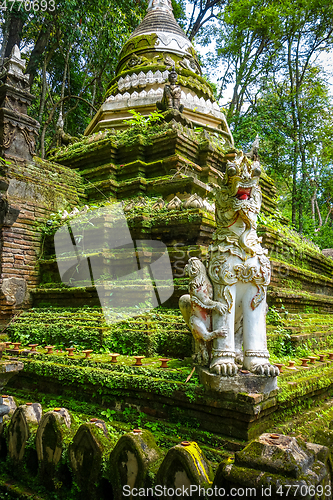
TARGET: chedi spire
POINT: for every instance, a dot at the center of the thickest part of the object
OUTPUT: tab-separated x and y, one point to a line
160	4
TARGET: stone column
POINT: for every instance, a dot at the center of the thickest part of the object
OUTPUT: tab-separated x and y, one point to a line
18	131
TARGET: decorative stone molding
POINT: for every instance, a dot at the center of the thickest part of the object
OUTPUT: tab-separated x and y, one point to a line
258	354
223	354
189	100
194	201
168	40
174	204
142	79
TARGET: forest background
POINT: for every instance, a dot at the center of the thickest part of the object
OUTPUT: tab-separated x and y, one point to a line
272	54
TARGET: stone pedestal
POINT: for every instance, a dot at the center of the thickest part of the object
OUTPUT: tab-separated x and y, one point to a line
240	383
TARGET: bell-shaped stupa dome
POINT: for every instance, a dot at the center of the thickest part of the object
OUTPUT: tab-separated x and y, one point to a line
156	46
158	34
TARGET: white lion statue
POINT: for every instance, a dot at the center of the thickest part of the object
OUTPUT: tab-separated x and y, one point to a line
226	307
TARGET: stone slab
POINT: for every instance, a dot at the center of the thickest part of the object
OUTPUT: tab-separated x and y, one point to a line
241	382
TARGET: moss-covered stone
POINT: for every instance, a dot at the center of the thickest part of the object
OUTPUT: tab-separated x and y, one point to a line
184	465
275	465
132	461
86	453
53	435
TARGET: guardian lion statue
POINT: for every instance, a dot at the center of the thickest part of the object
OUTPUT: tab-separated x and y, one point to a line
226	307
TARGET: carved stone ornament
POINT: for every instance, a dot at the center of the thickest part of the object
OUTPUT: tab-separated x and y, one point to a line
226	305
159	204
135	61
190	64
30	140
12	129
194	201
174	204
8	135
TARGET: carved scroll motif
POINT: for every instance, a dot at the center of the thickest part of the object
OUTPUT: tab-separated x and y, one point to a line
8	135
30	140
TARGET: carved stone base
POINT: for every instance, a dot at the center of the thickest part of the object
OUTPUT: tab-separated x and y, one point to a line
240	383
176	116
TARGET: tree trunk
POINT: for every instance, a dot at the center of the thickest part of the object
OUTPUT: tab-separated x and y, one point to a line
294	190
38	52
15	26
5	34
313	213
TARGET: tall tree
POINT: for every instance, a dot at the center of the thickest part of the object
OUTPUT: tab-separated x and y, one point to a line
257	41
71	49
271	116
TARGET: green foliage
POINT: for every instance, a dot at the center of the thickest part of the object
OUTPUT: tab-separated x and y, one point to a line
269	52
114	380
140	123
273	317
279	343
145	126
295	386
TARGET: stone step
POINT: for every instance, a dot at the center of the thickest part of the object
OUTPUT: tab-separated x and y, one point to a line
159	331
288	247
296	279
299	302
293	302
302	338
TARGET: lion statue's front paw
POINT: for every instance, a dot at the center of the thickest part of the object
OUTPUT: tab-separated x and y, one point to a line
224	369
266	369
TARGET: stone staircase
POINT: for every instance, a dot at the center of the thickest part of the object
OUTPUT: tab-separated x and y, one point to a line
158	332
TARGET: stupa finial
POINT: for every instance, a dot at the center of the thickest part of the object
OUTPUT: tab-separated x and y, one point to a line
160	4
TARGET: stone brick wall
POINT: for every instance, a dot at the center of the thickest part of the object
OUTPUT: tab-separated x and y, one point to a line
36	189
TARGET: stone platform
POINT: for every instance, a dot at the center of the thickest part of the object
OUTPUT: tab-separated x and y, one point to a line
236	415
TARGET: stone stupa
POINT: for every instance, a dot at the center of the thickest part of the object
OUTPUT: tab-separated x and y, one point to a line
156	46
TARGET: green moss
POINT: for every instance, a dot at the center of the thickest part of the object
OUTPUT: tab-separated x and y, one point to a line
113	381
302	383
145	41
160	331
